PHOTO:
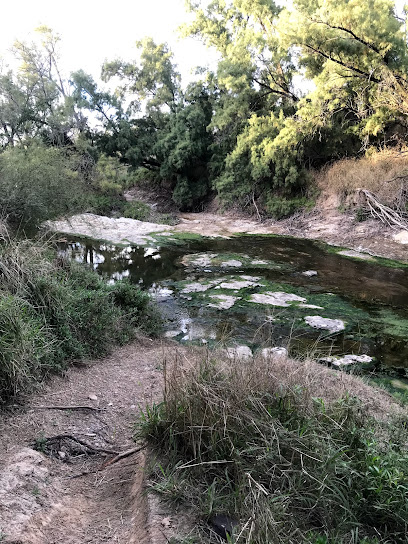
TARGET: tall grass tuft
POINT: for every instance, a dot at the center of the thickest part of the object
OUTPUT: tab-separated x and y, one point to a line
253	441
54	311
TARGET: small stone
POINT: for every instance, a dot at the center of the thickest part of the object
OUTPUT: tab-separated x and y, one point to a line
239	352
223	525
309	273
171	334
92	396
231	264
224	302
401	237
166	522
356	254
62	454
269	353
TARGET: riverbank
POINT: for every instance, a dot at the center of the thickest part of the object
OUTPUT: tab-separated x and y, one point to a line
55	489
325	223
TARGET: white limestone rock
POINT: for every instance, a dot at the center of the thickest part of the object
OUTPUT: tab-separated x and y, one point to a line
276	299
331	325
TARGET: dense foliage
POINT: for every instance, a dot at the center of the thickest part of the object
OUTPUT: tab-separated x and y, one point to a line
296	86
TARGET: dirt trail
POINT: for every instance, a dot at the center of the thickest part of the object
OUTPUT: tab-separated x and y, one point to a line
42	498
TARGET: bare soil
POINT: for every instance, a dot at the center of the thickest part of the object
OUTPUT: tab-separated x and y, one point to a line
58	491
62	494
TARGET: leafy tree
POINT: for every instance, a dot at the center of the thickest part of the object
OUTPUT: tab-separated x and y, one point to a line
171	138
269	130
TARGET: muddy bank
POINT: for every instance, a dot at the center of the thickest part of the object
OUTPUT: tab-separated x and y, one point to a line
326	225
64	494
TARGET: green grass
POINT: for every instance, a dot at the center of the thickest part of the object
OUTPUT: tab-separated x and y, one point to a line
54	311
246	441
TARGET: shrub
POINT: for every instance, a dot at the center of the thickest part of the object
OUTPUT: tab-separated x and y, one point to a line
54	311
280	207
137	210
251	441
38	183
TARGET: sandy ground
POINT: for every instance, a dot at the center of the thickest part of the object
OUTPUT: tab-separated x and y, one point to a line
47	499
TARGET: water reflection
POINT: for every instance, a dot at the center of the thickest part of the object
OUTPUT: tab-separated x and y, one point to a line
365	285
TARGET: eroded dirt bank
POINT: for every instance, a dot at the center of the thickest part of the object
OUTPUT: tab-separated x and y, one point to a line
59	493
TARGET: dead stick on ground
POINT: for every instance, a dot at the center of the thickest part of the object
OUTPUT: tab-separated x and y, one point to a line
65	408
115	459
123	455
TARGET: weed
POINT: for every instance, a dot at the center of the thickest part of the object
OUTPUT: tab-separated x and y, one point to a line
246	440
53	311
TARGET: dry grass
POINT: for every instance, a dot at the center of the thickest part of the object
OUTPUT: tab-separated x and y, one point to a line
288	448
384	173
284	374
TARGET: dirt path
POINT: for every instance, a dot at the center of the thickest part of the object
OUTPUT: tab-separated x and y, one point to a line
43	500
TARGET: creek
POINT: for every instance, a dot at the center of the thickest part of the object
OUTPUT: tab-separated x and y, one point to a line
267	291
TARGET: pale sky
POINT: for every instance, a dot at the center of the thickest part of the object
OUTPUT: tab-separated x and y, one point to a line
95	30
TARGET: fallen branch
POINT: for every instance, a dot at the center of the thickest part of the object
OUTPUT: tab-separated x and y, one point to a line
66	408
123	455
382	212
112	461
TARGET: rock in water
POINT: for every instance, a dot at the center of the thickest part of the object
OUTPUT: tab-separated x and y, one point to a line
331	325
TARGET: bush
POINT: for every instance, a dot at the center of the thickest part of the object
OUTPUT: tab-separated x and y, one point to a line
251	441
38	183
137	210
54	311
279	207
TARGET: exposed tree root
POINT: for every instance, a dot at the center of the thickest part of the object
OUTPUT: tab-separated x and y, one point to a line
46	442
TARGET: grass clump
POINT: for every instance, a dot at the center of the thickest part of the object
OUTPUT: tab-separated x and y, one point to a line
252	441
54	311
136	209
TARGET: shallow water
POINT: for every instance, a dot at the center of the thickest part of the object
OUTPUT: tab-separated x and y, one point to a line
370	299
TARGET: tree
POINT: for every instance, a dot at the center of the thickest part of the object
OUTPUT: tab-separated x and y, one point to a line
170	137
36	100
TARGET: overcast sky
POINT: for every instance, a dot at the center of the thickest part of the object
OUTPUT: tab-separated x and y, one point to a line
95	30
